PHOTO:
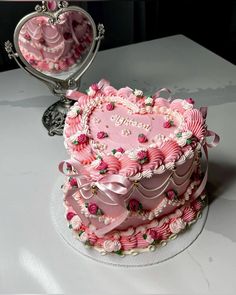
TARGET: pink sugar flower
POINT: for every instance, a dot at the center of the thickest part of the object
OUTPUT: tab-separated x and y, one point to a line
33	62
102	167
142	157
153	234
134	205
42	41
94	87
102	134
73	181
171	195
68	166
142	154
70	215
168	124
120	150
27	36
110	106
93	208
190	100
142	138
82	138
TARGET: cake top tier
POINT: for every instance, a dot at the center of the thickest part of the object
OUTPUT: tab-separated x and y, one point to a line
125	132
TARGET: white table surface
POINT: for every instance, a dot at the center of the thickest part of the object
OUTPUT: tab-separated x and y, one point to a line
34	258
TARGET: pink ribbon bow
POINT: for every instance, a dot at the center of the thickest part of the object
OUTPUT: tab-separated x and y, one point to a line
113	186
206	145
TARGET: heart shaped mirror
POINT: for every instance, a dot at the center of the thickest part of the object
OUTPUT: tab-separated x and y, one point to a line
56	44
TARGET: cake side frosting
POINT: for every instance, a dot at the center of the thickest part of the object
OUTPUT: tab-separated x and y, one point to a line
55	48
134	178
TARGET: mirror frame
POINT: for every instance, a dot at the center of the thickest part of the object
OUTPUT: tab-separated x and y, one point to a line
56	85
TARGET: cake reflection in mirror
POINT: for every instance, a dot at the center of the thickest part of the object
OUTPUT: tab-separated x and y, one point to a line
56	49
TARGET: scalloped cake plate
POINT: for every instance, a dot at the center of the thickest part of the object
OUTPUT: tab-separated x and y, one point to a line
148	258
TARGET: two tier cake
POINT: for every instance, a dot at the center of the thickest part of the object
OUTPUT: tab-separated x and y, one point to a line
134	179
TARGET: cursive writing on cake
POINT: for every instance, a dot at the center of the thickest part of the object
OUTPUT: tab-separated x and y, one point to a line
129	122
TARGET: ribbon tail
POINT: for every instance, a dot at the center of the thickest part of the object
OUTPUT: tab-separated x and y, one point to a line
102	231
206	145
75	95
76	165
203	111
215	141
157	94
103	83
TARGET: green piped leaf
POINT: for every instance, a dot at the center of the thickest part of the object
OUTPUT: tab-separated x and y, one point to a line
113	151
99	212
140	207
179	134
119	252
189	141
80	232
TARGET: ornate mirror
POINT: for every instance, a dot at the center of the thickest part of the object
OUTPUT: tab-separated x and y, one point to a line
57	43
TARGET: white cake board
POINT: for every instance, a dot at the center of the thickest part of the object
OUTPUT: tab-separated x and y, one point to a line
143	259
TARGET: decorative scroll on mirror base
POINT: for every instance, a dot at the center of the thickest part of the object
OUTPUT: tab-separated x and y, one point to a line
54	117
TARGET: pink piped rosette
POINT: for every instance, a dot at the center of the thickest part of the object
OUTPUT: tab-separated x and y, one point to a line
120	182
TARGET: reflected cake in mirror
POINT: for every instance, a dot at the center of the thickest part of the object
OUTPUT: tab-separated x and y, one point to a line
59	47
134	179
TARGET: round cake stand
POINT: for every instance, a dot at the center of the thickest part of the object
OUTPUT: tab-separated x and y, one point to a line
161	254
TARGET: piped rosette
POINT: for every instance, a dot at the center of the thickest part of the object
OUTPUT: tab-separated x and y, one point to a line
155	159
171	151
129	167
195	123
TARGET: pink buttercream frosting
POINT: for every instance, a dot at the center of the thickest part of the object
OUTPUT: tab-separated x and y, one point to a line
195	123
171	151
129	167
136	186
155	157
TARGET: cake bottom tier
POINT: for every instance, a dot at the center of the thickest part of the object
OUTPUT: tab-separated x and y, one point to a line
142	238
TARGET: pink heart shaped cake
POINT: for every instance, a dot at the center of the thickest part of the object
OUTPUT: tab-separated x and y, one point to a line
133	177
55	48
